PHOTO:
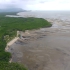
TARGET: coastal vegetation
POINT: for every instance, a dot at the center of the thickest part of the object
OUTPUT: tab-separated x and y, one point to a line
8	30
11	66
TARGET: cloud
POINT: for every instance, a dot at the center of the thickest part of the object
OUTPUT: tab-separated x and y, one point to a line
51	5
36	4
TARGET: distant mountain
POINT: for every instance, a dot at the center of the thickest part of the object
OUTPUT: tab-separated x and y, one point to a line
12	10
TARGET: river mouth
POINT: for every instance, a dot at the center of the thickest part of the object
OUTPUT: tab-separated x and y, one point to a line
44	49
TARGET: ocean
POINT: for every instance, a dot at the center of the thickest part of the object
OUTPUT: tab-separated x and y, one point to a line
63	15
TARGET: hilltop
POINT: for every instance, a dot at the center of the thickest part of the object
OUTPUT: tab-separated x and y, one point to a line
12	10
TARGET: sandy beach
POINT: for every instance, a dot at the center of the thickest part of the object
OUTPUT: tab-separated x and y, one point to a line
11	42
44	49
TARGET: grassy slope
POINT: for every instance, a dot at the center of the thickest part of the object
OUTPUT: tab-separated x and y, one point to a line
8	28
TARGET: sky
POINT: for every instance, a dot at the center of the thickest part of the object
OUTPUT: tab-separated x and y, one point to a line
36	4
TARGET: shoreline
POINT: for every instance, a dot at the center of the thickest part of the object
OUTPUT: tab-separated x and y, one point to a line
25	34
11	42
30	33
45	48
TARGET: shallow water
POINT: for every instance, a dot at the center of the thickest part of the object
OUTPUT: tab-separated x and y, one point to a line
45	49
46	52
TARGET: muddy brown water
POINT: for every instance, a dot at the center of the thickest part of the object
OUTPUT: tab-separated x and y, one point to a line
44	49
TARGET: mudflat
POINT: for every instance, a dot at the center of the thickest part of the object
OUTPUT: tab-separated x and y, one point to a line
44	49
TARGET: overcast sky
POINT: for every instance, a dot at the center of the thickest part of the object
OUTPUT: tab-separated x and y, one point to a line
36	4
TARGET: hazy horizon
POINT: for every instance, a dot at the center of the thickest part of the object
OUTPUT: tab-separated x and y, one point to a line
36	4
